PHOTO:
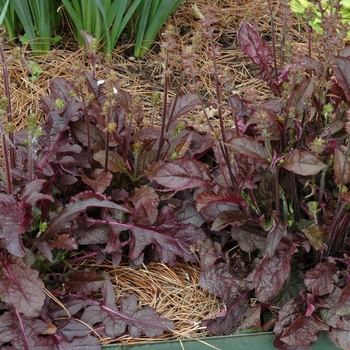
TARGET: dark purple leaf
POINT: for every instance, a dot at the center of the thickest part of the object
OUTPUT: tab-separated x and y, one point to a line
343	305
304	331
168	237
84	282
100	180
311	63
14	222
224	282
290	311
228	319
273	272
342	337
116	162
21	333
127	317
97	137
21	287
186	213
258	51
180	174
249	147
71	211
301	94
183	104
145	200
303	162
292	286
250	240
209	197
321	279
341	168
233	218
95	234
341	70
108	293
278	231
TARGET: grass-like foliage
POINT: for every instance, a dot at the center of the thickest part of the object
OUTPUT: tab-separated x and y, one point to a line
37	18
263	207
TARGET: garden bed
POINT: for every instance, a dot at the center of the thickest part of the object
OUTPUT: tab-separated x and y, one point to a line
219	230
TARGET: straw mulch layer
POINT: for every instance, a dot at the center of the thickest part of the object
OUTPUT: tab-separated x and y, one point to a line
173	291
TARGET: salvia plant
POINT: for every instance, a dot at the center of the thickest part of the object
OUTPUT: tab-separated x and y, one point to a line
262	206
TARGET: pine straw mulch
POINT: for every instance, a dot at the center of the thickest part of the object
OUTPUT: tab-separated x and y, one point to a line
173	291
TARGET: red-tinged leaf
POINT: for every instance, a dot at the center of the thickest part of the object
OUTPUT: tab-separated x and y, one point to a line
145	200
181	105
224	282
258	51
97	139
144	192
228	319
127	317
321	279
43	247
301	94
210	197
249	241
61	89
72	210
183	146
180	174
343	305
21	287
341	168
249	147
108	293
115	162
345	197
304	331
186	213
342	337
303	162
311	63
19	332
168	237
317	235
145	213
100	181
341	69
272	272
14	222
63	241
84	282
278	231
234	218
95	234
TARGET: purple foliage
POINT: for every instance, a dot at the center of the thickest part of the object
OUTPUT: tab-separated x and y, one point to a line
263	208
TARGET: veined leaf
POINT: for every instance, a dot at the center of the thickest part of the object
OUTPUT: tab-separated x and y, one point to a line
180	174
303	162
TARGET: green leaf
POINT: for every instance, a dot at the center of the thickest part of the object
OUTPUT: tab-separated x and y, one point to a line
152	18
3	12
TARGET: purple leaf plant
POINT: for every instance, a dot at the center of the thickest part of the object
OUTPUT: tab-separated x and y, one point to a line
262	206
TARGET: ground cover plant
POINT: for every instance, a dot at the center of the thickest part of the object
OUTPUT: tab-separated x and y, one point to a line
262	207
